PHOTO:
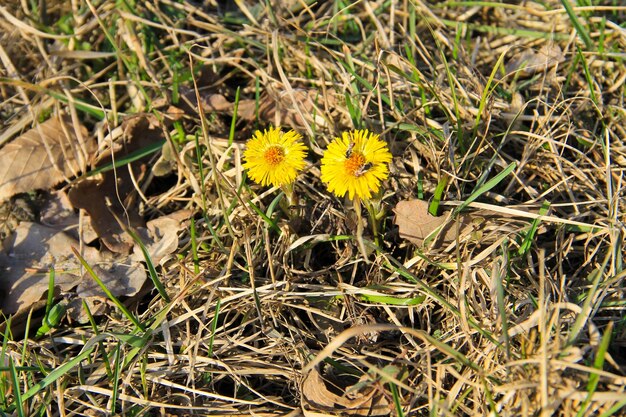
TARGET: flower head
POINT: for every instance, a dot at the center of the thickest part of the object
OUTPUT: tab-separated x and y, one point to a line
356	163
274	157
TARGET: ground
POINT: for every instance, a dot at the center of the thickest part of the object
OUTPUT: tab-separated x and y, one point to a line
485	277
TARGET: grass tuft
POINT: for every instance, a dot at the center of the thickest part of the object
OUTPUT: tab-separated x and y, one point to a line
511	114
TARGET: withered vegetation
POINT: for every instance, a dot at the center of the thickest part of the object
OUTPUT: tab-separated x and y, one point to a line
516	309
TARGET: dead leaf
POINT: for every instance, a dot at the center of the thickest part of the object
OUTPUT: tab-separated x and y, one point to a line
43	157
121	278
113	194
160	237
278	110
98	306
316	395
530	62
29	253
33	249
480	225
362	399
210	102
282	111
416	225
57	212
166	162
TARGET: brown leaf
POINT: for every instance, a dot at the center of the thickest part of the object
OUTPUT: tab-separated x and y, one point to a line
278	110
416	225
210	102
42	157
359	400
166	162
57	212
113	194
121	278
34	249
161	236
282	110
529	62
29	253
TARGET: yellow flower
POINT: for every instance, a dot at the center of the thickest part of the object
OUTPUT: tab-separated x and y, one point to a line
356	163
274	157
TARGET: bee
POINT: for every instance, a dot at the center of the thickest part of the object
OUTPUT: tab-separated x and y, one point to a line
350	149
364	168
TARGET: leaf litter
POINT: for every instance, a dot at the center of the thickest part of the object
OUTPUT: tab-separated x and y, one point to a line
44	156
34	248
241	327
114	193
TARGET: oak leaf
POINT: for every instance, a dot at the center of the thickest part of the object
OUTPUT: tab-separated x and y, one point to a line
43	157
418	226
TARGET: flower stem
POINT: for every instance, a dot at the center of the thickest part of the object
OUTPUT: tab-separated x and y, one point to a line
374	223
359	227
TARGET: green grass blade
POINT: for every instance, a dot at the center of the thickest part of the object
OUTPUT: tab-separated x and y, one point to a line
233	122
433	207
617	407
396	399
487	90
96	331
108	293
393	301
598	363
127	159
594	277
588	78
51	320
19	405
505	31
194	246
116	377
580	29
151	269
54	313
214	326
486	187
59	372
529	236
271	223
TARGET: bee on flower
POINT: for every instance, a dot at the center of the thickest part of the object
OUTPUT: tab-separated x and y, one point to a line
355	163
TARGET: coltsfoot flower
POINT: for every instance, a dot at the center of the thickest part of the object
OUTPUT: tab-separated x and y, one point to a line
274	157
356	163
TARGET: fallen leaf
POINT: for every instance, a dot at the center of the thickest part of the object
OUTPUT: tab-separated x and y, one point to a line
530	62
362	399
482	225
121	278
160	236
277	108
315	394
166	162
417	225
33	249
29	254
57	212
43	157
114	194
76	311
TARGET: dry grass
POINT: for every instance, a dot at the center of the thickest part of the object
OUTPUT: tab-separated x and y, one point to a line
506	326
